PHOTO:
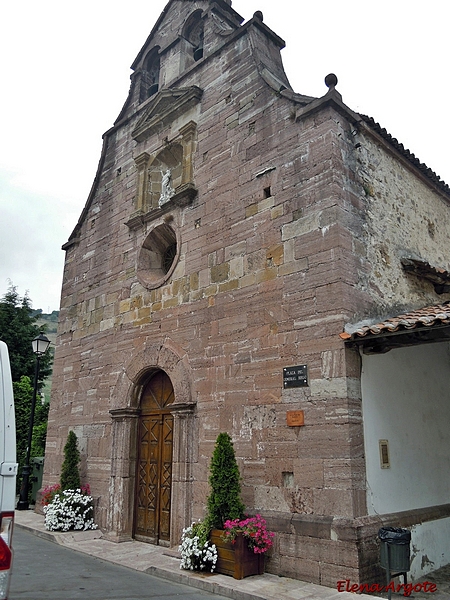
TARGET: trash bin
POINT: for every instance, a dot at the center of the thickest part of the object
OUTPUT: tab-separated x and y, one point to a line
395	549
37	471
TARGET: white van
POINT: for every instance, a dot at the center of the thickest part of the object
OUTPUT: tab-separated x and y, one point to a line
8	470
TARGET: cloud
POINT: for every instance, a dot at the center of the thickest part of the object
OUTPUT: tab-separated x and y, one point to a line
32	230
65	72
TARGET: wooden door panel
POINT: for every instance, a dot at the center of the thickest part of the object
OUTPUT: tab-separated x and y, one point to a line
166	477
154	467
148	478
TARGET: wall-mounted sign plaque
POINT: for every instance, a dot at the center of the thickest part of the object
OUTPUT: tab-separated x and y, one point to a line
295	376
295	418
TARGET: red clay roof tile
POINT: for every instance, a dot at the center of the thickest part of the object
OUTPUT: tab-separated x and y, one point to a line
429	316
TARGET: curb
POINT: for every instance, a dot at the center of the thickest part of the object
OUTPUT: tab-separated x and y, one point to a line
195	580
258	587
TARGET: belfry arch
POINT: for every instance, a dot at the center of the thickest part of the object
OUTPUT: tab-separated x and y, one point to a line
125	415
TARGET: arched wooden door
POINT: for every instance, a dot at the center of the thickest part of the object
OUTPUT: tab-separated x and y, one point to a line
154	464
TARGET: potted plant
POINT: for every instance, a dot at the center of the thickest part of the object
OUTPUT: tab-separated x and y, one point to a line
224	502
240	541
69	505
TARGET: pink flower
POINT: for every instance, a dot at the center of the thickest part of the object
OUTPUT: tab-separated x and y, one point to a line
253	529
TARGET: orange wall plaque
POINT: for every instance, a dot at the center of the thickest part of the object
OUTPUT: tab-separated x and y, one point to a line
295	418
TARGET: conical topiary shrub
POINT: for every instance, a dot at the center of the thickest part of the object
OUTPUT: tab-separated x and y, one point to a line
70	474
224	501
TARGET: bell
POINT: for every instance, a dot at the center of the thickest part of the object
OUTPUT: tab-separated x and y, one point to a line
198	52
153	89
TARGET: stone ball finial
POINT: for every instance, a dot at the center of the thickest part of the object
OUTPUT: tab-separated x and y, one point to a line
331	81
258	15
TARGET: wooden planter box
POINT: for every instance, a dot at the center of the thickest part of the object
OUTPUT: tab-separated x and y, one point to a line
237	559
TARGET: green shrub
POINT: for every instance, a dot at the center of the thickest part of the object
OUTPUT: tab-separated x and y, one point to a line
70	474
224	501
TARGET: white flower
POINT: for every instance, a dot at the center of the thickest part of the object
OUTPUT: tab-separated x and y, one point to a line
70	510
194	556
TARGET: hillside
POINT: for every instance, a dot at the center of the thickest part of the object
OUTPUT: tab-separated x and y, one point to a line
50	321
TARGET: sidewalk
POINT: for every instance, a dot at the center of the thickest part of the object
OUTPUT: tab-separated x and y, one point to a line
160	562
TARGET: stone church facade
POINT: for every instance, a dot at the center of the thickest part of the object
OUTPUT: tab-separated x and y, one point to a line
237	239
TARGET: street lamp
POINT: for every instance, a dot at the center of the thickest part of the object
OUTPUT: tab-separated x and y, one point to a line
40	346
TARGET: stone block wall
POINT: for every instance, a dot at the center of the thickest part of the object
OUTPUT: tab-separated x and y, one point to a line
405	217
278	250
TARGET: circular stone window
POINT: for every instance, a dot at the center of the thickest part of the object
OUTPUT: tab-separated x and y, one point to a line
157	257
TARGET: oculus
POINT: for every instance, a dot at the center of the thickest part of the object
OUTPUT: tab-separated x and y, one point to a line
158	256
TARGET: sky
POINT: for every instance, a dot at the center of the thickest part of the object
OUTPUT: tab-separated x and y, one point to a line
64	76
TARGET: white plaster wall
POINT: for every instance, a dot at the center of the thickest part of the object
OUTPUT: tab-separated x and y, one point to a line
406	400
430	549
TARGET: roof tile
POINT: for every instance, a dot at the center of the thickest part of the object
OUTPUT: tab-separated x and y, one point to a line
429	316
407	154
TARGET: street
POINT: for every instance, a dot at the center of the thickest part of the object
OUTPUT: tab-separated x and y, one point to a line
44	570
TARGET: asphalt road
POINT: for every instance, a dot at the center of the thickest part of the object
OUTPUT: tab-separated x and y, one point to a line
44	570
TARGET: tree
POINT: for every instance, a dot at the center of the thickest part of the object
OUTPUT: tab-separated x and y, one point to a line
70	474
40	434
224	501
23	394
17	329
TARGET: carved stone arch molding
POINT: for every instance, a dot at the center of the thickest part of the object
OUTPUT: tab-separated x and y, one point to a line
125	415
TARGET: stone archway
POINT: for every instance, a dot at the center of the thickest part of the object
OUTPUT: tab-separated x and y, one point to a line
125	422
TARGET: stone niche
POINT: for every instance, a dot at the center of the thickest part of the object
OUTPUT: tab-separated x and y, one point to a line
168	164
165	178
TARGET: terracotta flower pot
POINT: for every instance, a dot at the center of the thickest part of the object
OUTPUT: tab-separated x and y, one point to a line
236	559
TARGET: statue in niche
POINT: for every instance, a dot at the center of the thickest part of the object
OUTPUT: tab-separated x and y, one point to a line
167	190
